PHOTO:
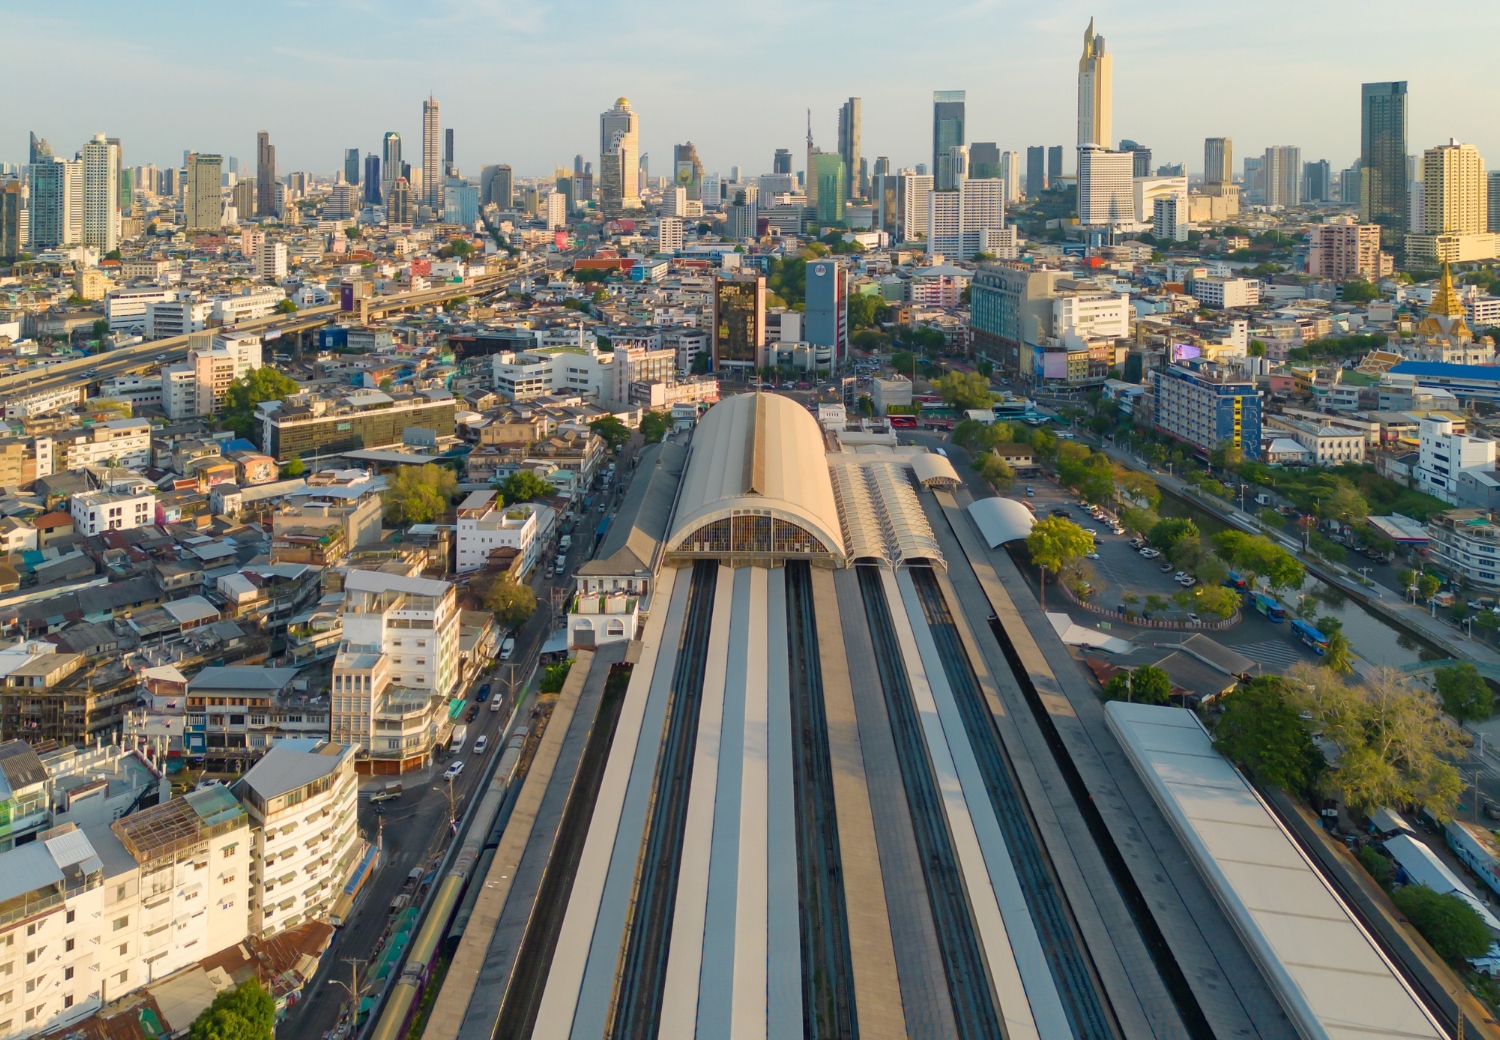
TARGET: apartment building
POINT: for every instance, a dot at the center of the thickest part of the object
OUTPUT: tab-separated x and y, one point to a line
234	713
1326	445
1444	452
253	303
1343	249
1086	315
301	799
642	364
1206	405
1465	543
540	371
125	309
1225	292
486	524
97	511
307	425
115	442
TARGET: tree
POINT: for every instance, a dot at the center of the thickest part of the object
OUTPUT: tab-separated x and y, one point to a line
1464	693
904	362
1055	542
1406	578
1146	685
1215	600
654	426
262	384
995	471
1171	530
865	406
419	494
246	1012
524	486
1452	927
1139	487
1260	732
286	307
461	247
1044	446
1138	521
863	307
614	432
510	601
101	328
1359	291
1428	585
554	675
964	390
1340	653
295	468
1345	505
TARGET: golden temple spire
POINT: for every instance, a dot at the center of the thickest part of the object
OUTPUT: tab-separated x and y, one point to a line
1445	302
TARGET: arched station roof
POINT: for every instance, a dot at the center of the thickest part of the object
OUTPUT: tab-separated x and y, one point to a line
1001	520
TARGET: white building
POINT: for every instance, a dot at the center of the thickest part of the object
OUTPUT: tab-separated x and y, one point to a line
125	309
40	402
1106	188
1326	445
485	524
967	219
246	347
557	211
1442	454
1169	218
1465	543
180	317
253	303
520	377
1091	315
270	259
97	511
1147	190
101	194
1225	292
669	234
119	442
642	364
414	623
301	798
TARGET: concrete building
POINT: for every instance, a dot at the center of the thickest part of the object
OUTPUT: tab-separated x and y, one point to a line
1146	190
101	194
967	220
1326	445
551	370
826	320
1169	218
947	133
619	157
1205	406
202	195
648	362
97	511
308	425
1095	94
1342	249
1282	168
1225	292
1106	189
1382	154
270	260
114	442
1465	544
1455	207
485	523
1090	315
1218	162
739	322
1443	454
1010	310
55	215
669	234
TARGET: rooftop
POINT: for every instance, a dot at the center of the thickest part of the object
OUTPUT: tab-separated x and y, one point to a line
287	767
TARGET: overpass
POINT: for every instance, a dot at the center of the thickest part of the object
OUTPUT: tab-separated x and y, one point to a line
155	353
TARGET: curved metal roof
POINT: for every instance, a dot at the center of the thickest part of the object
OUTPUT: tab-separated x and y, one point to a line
882	517
934	470
758	453
1001	520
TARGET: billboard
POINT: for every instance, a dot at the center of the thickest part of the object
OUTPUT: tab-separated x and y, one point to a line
1183	351
1055	364
346	296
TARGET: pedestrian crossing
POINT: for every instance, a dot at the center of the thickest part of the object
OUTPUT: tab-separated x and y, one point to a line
1273	655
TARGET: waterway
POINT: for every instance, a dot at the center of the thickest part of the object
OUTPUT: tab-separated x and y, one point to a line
1375	639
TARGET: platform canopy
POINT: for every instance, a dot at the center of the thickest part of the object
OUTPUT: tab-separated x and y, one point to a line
1001	520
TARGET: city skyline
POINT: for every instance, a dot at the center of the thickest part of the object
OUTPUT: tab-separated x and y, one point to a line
1291	88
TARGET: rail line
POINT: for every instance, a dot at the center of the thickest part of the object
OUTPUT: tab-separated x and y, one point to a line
1073	972
638	988
975	1014
827	963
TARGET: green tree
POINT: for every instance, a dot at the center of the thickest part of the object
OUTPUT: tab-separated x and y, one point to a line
964	390
1376	865
1260	732
461	247
246	1012
1139	521
1145	685
286	307
1428	585
262	384
654	426
524	486
1340	653
1464	693
1139	487
510	601
863	307
1053	544
101	328
1359	291
1450	925
554	676
615	433
865	406
904	362
419	494
1171	530
295	468
995	471
1215	600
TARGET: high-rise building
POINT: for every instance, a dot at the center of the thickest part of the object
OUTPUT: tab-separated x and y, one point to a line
56	214
432	181
40	149
687	171
1095	90
557	210
740	217
1342	249
1170	218
1036	171
373	196
914	197
12	206
830	176
242	198
849	147
1493	191
1106	186
967	220
739	339
1455	207
1317	181
1282	169
984	160
712	193
202	192
449	166
1142	157
885	193
265	177
1054	164
1010	173
495	185
781	162
1218	160
826	320
400	208
101	194
351	165
619	151
1382	154
947	131
390	158
668	234
460	202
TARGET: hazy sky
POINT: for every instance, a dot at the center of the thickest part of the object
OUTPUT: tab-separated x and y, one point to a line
524	83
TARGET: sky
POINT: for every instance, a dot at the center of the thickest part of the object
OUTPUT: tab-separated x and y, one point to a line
524	83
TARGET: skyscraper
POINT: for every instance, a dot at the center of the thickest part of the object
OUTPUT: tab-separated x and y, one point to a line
1054	164
739	329
849	146
782	161
390	158
1382	154
1218	161
1282	166
373	196
619	152
687	171
1142	157
495	186
1317	178
351	165
101	194
398	204
913	202
1095	87
1010	173
265	176
1455	192
448	164
1105	186
40	149
1036	171
984	160
56	202
947	131
432	180
202	192
826	322
12	238
830	176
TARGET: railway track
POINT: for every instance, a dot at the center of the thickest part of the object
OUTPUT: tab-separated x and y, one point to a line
638	989
1072	971
976	1016
827	966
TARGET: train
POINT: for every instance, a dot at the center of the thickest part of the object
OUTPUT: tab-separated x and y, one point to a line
407	991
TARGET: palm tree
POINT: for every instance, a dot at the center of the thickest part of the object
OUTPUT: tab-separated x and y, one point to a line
1340	653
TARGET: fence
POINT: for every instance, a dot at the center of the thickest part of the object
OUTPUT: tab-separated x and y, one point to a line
1144	622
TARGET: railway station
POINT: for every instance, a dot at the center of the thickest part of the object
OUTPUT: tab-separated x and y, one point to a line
853	787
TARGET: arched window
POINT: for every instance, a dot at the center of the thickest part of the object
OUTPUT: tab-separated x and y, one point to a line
617	627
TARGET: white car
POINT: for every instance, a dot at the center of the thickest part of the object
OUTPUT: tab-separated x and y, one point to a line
1092	555
1150	553
481	744
452	772
1187	581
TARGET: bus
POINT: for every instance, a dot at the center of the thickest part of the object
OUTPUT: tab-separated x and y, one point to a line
1273	611
1234	581
1311	636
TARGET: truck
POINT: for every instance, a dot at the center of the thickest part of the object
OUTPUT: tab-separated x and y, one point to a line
388	792
456	741
565	543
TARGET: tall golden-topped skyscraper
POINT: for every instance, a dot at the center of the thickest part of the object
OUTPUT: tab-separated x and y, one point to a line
1095	88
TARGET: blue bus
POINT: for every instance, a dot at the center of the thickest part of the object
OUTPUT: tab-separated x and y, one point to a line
1273	611
1234	581
1311	636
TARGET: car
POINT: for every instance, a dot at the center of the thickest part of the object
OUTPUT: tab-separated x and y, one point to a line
1187	582
453	772
1150	554
1058	511
1137	543
480	744
473	712
1091	556
1179	575
161	357
1166	566
1194	618
507	648
1093	533
484	692
1030	490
